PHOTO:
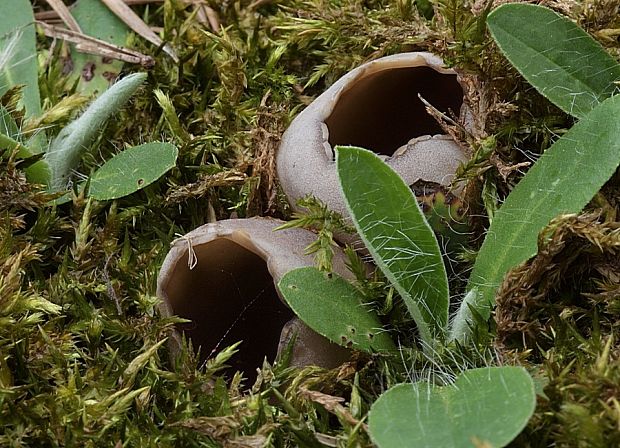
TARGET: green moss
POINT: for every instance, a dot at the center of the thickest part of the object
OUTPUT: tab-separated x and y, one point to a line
82	354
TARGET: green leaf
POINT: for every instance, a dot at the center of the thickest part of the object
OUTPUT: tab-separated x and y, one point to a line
10	136
388	218
490	405
38	172
132	170
68	147
8	126
7	144
18	53
556	56
463	321
333	307
563	180
96	73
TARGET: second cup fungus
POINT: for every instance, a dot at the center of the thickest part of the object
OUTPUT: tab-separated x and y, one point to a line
376	106
222	277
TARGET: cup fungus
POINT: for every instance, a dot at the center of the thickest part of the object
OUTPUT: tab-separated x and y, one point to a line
375	106
222	277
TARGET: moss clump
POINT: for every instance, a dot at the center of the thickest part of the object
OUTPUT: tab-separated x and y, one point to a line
560	311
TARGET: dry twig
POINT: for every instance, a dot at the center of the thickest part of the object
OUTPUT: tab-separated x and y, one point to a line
63	12
88	44
133	21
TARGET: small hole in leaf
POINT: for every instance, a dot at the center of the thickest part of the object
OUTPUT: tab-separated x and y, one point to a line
140	182
352	330
370	336
343	339
292	287
349	344
329	275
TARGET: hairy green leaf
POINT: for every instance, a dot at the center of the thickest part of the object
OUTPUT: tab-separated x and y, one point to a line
463	319
18	53
555	55
388	218
8	126
65	152
563	180
490	405
333	307
132	170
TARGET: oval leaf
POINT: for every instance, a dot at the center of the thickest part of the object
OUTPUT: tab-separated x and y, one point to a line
66	150
132	169
96	73
388	218
491	405
563	180
333	307
556	56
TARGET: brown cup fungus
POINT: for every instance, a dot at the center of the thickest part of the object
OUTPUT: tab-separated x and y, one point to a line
375	106
222	277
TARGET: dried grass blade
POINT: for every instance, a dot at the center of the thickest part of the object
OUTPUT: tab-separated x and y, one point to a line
90	45
52	16
133	21
65	15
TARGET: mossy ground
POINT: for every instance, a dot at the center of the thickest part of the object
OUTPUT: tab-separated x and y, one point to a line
83	357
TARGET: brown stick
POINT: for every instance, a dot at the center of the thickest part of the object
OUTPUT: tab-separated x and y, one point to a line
87	44
133	21
63	12
53	15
